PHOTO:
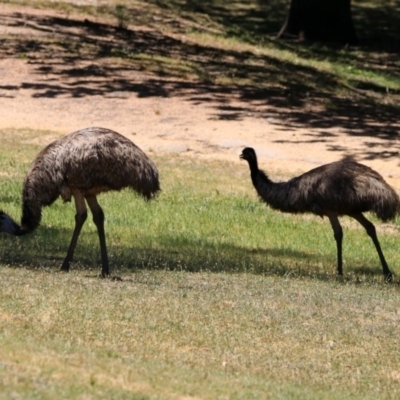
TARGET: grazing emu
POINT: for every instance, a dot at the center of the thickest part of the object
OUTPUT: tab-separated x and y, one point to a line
341	188
82	165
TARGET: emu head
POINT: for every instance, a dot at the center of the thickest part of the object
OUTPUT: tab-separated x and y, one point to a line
8	225
249	155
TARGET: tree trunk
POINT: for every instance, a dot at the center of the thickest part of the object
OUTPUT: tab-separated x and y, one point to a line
320	20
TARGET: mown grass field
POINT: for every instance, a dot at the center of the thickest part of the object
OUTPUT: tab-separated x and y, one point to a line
220	297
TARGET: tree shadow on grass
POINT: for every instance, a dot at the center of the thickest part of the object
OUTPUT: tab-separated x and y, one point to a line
79	58
47	248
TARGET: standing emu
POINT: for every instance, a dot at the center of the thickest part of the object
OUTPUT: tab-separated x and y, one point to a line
82	165
344	187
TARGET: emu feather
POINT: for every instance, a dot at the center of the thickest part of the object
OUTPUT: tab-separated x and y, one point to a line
340	188
81	165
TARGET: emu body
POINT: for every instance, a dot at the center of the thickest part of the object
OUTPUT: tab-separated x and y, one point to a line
80	166
340	188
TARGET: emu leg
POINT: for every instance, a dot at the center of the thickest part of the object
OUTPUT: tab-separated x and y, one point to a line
338	234
98	219
371	231
80	218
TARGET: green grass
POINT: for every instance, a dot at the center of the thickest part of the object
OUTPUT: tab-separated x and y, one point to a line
220	296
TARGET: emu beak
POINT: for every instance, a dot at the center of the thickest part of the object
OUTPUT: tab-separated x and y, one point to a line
241	156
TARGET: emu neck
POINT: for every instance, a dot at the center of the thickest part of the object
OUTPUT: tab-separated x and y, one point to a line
31	206
31	216
254	171
258	176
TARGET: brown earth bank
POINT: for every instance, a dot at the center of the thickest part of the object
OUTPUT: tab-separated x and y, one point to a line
35	93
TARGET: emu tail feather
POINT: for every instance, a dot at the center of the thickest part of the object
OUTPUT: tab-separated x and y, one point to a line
388	206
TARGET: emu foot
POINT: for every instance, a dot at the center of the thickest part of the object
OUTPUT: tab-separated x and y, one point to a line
339	273
65	266
388	277
105	271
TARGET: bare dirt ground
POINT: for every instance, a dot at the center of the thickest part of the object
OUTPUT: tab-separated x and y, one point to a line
36	93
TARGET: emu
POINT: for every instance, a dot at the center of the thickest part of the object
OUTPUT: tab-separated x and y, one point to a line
81	165
340	188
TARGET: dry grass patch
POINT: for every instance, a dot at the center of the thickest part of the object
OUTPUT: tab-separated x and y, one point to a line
162	334
220	297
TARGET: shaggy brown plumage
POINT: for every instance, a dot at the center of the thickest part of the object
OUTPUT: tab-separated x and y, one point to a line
82	165
344	187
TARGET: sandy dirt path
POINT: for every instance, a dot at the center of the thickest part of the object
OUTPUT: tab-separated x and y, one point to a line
172	124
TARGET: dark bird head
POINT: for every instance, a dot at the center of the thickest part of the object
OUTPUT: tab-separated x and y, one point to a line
249	155
8	225
256	174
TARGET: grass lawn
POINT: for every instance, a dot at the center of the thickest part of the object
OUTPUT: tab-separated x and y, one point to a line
220	298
